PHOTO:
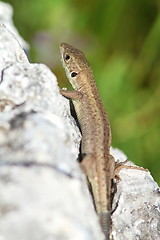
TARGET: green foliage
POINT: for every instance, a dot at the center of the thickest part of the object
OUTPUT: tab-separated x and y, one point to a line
121	39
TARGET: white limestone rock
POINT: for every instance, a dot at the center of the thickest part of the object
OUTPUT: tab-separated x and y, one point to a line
6	13
136	204
10	50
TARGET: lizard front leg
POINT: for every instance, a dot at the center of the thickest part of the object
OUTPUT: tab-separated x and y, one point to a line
73	94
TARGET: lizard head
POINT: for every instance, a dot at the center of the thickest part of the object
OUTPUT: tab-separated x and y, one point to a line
74	63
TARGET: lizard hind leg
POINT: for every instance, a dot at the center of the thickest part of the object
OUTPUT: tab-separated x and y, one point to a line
88	165
121	165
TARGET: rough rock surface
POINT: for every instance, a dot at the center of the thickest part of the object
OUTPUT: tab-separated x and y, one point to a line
6	13
43	193
136	205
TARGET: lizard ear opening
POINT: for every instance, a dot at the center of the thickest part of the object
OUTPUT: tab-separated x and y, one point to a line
73	74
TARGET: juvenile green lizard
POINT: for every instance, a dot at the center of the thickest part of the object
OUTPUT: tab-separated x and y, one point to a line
97	163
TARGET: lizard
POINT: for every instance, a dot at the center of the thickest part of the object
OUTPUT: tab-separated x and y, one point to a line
97	163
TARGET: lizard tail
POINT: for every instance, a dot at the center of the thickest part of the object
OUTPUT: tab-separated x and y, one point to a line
105	221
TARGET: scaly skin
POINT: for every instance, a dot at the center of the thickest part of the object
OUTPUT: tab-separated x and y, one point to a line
97	163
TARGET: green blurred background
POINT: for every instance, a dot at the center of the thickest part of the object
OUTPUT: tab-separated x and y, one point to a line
121	40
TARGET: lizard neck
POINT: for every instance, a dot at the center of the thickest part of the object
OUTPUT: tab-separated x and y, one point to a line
86	84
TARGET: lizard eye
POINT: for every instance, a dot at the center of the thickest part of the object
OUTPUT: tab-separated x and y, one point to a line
73	74
67	57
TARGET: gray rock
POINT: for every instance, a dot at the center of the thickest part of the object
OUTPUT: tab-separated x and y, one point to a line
136	205
6	13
